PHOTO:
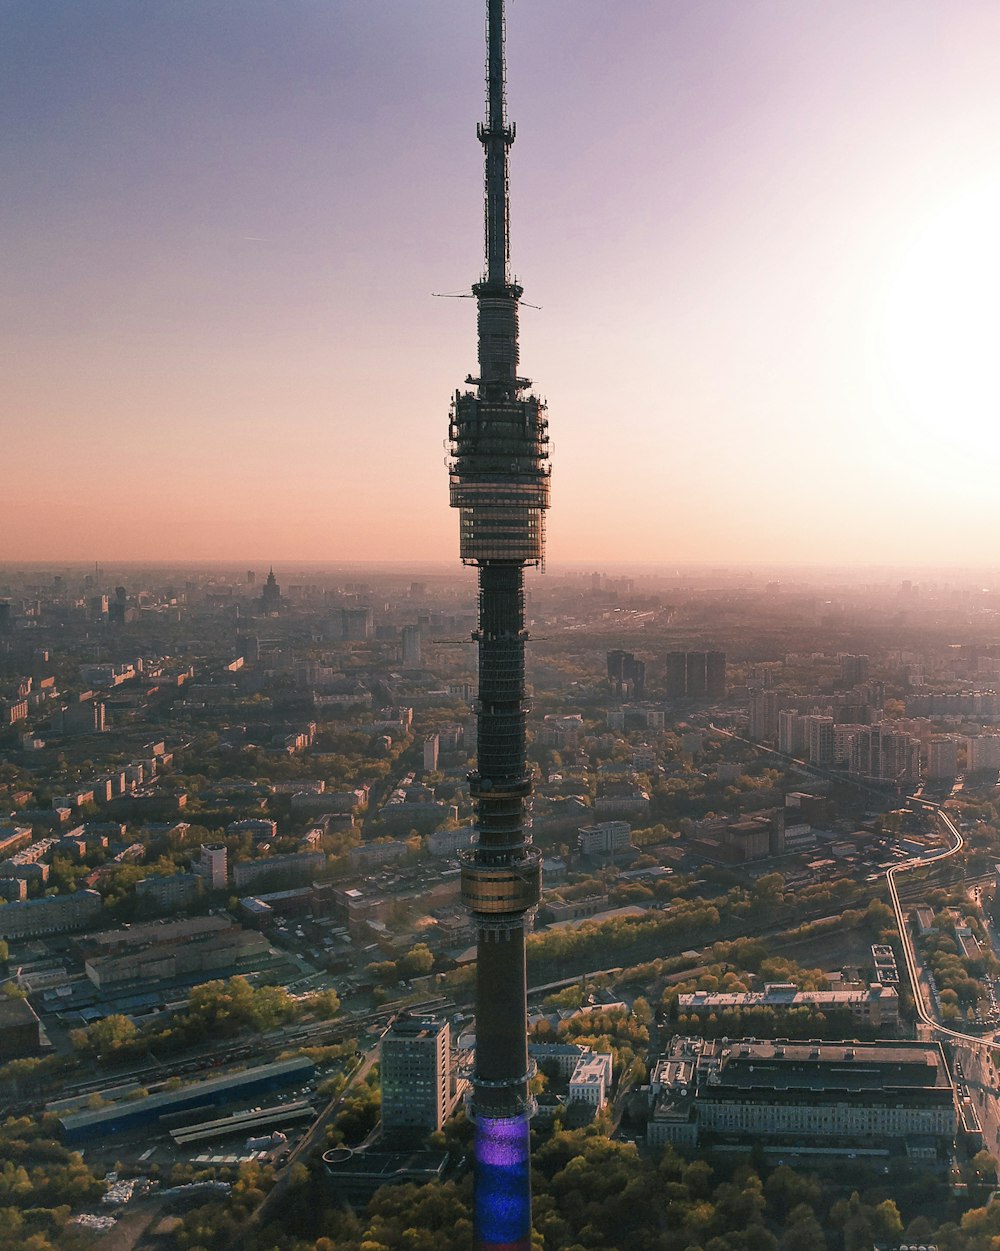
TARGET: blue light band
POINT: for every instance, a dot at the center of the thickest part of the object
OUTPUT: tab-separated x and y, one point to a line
503	1185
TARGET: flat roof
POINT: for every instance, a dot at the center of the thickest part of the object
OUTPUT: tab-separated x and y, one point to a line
14	1012
159	931
815	1065
385	1164
164	1100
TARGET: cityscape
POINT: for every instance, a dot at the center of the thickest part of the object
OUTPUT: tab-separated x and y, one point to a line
240	968
532	899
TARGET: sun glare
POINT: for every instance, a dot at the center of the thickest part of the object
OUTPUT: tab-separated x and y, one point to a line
941	329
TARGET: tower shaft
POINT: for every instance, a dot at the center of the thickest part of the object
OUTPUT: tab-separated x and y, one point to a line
499	481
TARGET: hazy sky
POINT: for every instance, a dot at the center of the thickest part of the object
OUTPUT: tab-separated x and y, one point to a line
765	238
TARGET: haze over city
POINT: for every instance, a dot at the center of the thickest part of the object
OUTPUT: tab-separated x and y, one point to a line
762	238
376	874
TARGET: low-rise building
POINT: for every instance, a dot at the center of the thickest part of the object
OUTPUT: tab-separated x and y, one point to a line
832	1096
591	1079
213	954
874	1005
53	914
294	868
604	838
450	842
368	855
564	1057
168	892
20	1031
621	799
574	909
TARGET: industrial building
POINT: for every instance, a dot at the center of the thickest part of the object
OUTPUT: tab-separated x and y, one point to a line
211	954
243	1124
118	1118
20	1030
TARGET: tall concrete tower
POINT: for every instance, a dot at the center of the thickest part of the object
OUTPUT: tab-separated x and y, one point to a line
500	484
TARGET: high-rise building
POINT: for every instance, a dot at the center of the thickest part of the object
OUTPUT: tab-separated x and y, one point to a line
844	734
432	746
248	646
500	484
626	675
412	658
358	624
270	596
764	708
942	757
715	675
696	675
793	732
883	754
821	740
417	1079
853	670
213	865
982	753
676	680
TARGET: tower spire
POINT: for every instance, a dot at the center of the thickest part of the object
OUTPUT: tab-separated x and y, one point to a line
496	137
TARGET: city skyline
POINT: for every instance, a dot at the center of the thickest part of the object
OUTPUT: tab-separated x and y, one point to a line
772	228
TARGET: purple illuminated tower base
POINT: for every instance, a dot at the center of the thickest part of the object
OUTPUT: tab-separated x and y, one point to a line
503	1185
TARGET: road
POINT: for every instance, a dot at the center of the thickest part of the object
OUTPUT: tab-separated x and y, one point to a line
980	1076
309	1143
831	775
909	953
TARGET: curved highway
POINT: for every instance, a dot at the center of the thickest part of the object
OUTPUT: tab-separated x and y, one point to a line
974	1040
923	1015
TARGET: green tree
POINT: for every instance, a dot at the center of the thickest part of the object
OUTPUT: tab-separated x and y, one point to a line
417	962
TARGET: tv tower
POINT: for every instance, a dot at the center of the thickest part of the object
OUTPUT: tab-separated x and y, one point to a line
500	484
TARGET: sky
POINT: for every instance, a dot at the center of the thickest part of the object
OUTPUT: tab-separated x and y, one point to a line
762	237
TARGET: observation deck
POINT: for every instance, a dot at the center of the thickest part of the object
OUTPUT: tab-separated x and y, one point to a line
501	889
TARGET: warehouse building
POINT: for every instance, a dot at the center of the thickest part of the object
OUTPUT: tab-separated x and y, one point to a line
119	1118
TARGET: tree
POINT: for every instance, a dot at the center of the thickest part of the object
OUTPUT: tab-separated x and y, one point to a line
325	1004
110	1037
984	1166
418	961
886	1221
803	1231
787	1191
